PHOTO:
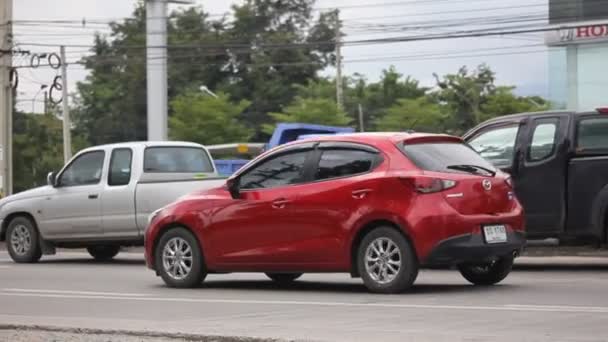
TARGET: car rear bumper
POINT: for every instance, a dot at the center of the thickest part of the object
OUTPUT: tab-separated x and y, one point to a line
473	248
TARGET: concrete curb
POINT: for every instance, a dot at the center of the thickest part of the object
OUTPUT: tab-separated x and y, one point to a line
137	334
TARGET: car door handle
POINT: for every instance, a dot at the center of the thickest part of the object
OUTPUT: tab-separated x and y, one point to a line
280	203
360	194
93	196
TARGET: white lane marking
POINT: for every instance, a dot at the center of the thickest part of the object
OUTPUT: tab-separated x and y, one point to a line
512	307
75	292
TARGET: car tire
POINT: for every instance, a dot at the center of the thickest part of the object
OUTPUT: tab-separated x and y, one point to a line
180	270
283	278
487	274
386	261
103	252
22	240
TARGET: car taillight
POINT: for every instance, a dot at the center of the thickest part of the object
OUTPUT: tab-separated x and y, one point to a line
603	110
428	185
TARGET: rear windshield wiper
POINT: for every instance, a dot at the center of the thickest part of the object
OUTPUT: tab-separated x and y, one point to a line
472	169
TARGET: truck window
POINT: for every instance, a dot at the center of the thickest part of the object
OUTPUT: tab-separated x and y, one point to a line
84	170
496	144
592	135
120	167
543	140
170	159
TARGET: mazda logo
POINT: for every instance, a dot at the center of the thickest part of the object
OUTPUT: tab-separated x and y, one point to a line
487	184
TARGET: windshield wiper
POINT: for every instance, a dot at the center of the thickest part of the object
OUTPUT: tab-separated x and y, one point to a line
472	169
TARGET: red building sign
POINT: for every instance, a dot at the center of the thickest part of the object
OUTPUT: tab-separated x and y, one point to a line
578	35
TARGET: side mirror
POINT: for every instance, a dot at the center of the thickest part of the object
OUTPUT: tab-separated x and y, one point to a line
233	187
51	179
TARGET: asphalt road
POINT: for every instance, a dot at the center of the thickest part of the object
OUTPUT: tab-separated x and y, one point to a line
536	303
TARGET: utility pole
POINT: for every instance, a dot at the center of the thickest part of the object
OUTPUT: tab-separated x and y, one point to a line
67	125
361	124
46	101
6	95
339	88
156	68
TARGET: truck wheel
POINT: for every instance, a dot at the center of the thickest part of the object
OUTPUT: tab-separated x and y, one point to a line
22	241
103	252
179	259
487	274
284	278
386	261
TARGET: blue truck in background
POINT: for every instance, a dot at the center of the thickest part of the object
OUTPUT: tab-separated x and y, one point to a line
283	133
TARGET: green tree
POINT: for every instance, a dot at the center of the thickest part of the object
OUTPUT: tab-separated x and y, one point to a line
280	45
312	111
207	120
111	102
269	47
376	98
420	114
464	93
502	101
37	149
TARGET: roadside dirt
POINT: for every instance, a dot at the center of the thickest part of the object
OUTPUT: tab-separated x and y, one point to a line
47	334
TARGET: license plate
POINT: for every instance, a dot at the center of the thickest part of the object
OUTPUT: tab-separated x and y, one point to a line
495	234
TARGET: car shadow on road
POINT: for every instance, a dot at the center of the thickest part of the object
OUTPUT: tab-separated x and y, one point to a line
87	261
560	267
333	287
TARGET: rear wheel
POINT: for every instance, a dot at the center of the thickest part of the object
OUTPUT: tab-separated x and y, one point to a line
22	241
284	278
103	252
386	261
179	259
488	273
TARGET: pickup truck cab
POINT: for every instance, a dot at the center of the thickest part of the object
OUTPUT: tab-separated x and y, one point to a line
102	198
559	164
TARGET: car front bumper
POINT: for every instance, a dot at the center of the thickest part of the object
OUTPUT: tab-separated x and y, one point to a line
473	248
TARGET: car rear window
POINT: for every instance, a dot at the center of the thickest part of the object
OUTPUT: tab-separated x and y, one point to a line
177	160
439	157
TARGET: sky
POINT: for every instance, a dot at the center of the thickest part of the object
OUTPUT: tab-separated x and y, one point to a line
517	60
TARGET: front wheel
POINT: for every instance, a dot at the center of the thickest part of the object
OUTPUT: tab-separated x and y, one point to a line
386	261
22	241
488	273
284	278
179	259
103	253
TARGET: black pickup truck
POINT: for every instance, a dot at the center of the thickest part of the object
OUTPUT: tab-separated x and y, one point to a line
559	166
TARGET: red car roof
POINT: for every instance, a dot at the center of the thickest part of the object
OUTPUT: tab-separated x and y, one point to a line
394	137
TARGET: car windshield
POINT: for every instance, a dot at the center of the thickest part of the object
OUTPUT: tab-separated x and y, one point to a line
447	157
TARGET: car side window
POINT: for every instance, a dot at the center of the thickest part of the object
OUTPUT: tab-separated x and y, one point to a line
284	169
497	145
120	167
543	141
84	170
335	163
592	135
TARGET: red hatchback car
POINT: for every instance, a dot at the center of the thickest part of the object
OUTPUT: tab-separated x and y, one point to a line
378	206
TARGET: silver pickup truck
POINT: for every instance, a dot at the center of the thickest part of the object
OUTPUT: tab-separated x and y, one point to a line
102	198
